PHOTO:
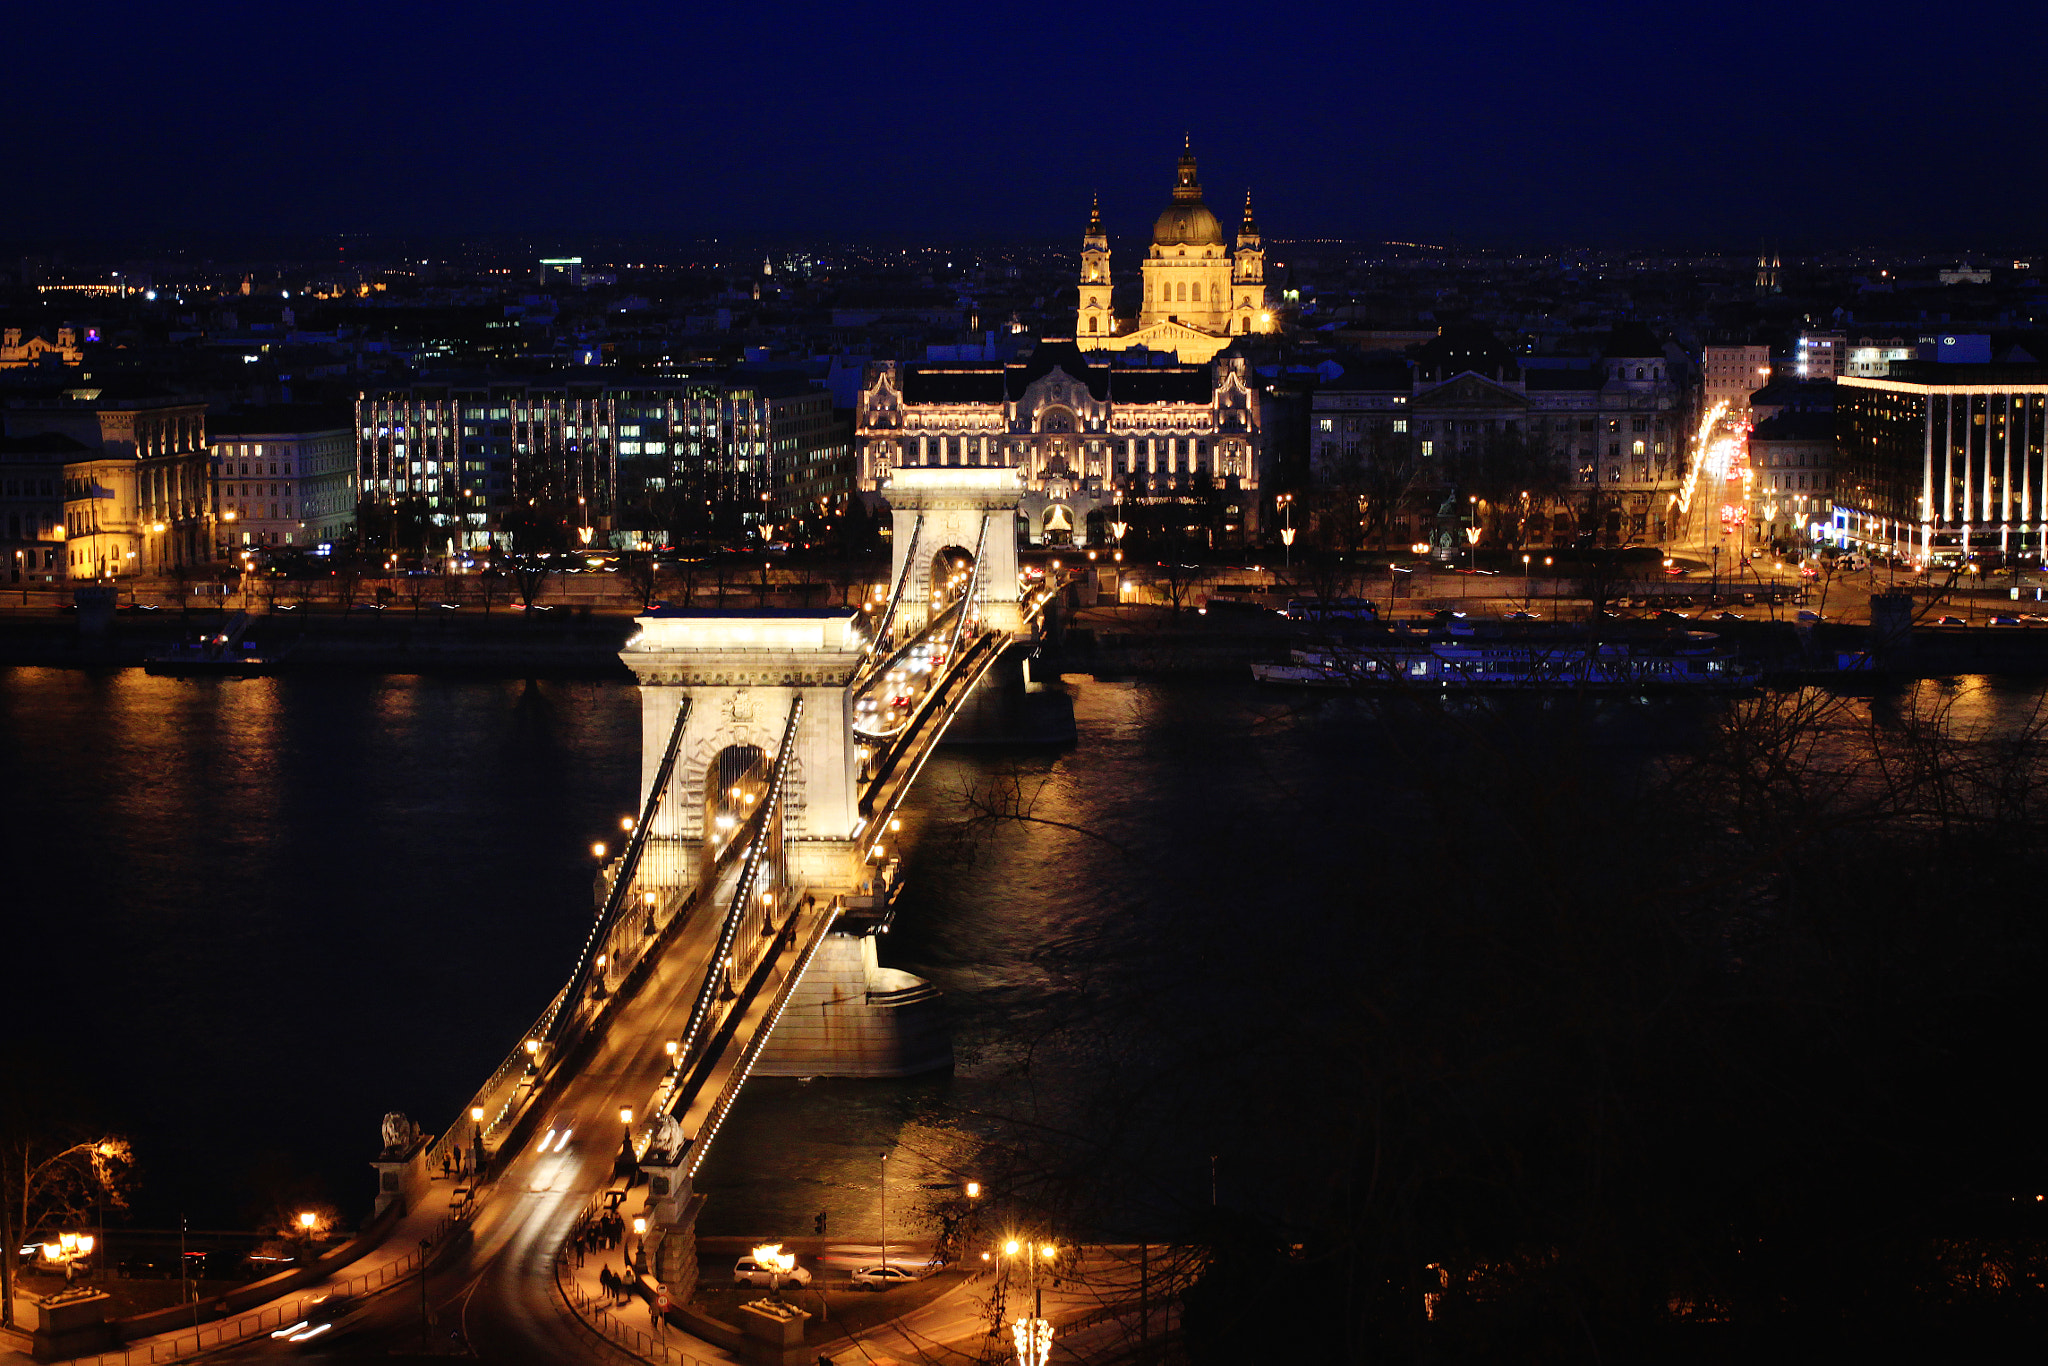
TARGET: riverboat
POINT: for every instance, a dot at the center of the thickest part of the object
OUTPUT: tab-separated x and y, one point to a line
214	652
1692	660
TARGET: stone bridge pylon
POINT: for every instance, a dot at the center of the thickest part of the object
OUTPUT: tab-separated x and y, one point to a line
939	513
740	671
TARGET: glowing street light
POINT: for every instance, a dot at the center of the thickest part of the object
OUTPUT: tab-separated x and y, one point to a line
597	850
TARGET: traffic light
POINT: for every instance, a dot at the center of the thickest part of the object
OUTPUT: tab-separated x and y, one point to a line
819	1224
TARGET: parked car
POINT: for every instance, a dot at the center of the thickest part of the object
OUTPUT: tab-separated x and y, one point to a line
747	1271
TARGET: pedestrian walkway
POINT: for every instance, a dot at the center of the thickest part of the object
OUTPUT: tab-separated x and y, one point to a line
594	1270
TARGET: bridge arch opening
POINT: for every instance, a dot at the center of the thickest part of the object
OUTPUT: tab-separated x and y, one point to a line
733	782
952	566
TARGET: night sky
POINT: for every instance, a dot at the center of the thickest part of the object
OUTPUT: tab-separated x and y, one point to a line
1713	125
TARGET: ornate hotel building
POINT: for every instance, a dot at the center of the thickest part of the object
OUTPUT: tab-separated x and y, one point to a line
1943	463
1087	433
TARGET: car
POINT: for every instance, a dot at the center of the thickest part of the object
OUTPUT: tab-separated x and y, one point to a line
1808	616
318	1318
367	607
138	607
747	1271
880	1278
2005	621
1519	615
1949	621
1727	616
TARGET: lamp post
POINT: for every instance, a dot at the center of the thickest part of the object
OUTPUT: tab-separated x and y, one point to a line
885	1213
1286	502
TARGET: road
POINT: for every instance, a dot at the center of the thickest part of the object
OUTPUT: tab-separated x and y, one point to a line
491	1294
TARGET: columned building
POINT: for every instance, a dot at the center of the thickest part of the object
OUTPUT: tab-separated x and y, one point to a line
1944	463
1197	294
1088	434
139	499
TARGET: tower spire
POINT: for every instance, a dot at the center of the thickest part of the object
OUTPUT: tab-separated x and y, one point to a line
1095	215
1250	228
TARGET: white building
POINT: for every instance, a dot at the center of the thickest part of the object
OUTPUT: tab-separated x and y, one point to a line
285	475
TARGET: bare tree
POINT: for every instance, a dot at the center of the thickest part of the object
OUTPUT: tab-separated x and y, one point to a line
48	1185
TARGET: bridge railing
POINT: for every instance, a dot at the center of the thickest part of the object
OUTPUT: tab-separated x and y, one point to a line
742	904
211	1337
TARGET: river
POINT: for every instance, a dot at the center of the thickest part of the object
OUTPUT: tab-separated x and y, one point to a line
247	917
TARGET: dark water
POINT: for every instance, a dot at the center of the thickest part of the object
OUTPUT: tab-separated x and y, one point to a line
247	918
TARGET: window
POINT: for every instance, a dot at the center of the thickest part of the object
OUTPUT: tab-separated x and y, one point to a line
1400	424
1428	448
1325	424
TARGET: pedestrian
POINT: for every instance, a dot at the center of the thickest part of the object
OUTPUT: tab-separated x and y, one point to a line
604	1279
444	1166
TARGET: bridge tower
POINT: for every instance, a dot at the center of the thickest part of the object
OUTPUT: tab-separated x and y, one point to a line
740	671
939	513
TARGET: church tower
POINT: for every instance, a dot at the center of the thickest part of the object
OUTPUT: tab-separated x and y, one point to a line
1095	318
1187	275
1248	312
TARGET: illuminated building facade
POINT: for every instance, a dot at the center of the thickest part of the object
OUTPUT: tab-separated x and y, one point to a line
140	499
765	446
1820	355
1730	374
1944	463
287	474
1791	459
19	348
1197	295
1087	433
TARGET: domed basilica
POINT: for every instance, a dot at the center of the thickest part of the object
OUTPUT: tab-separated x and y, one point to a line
1197	296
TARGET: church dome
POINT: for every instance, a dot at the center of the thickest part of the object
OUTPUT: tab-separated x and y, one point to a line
1187	220
1185	224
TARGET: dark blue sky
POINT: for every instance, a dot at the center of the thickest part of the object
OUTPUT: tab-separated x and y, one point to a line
1651	123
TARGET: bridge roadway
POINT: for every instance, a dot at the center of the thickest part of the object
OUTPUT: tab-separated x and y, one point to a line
491	1292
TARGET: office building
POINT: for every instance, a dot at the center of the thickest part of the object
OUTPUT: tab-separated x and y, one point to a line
1944	463
621	457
